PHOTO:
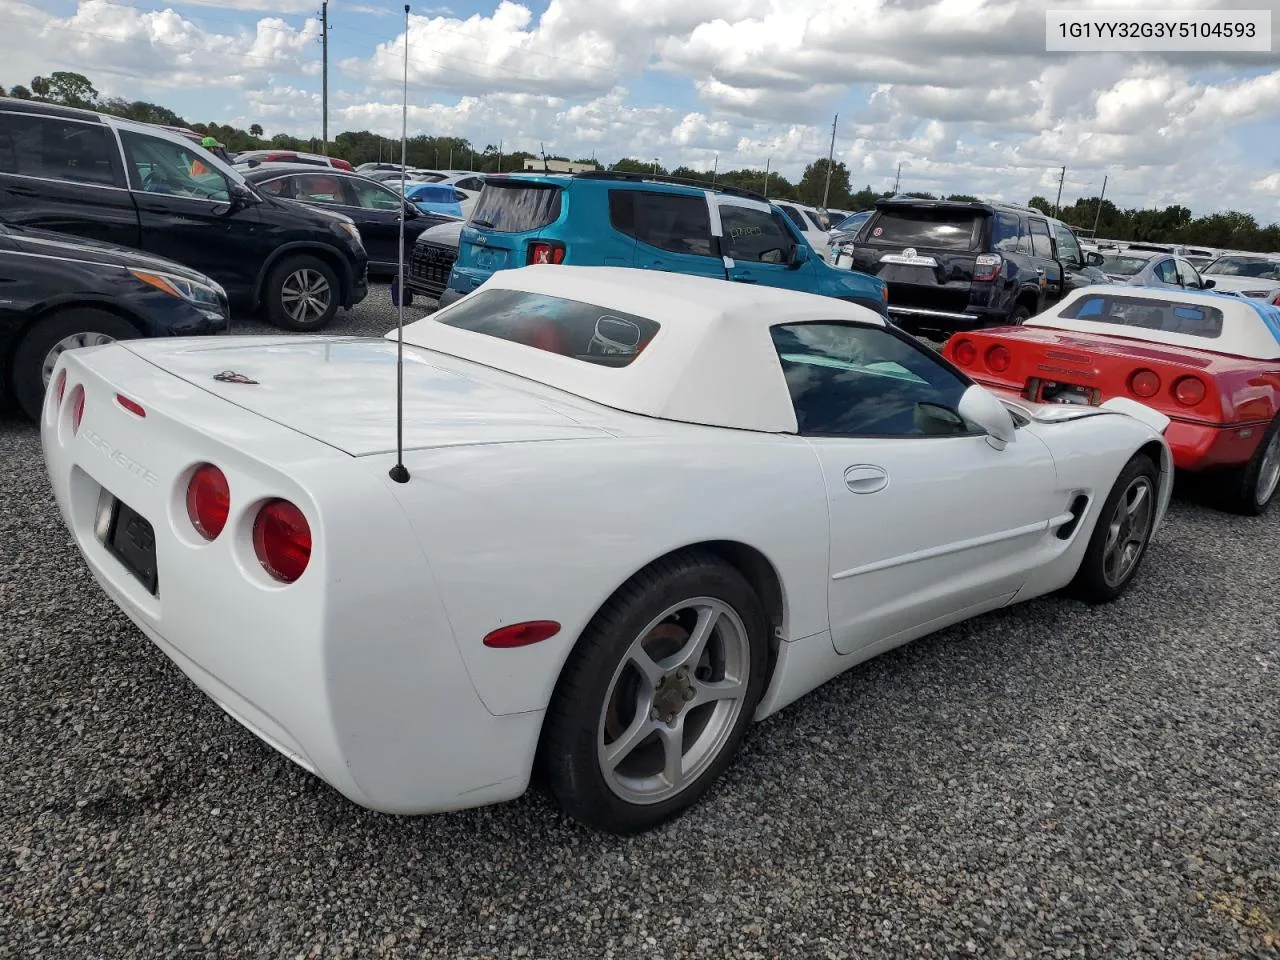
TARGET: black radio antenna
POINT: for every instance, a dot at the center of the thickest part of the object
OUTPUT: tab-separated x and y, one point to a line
399	473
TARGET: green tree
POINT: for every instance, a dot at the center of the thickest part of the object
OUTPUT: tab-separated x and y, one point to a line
1041	204
65	87
20	92
813	184
255	130
963	198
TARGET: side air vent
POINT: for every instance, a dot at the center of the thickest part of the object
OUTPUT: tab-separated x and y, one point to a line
1078	506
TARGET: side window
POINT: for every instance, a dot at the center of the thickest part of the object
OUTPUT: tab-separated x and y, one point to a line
813	219
849	380
1187	274
1167	272
792	214
754	235
319	188
371	196
471	183
1024	237
1068	248
58	149
675	222
1004	233
1041	246
281	187
160	166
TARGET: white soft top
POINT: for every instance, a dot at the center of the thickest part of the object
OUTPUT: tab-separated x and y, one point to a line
1250	328
711	362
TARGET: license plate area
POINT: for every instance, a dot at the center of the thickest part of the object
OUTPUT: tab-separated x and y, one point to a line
1055	391
129	537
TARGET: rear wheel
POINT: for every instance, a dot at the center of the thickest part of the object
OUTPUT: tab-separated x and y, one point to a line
1021	314
38	352
302	293
1120	537
656	697
1252	487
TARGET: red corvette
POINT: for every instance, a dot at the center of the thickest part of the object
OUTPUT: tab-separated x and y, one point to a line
1209	361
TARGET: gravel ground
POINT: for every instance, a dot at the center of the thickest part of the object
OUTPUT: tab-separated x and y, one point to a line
1049	781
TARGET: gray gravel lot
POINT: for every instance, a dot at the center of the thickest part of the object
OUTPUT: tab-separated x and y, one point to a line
1049	781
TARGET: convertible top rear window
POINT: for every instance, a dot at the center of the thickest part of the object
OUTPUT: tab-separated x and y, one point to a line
1195	320
570	328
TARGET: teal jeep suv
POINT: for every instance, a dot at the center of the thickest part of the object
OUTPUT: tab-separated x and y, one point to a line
652	223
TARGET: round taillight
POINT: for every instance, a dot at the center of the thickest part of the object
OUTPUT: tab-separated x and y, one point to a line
77	408
1144	383
282	540
60	387
208	501
1189	391
965	353
999	358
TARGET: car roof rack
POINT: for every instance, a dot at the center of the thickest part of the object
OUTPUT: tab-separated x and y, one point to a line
628	177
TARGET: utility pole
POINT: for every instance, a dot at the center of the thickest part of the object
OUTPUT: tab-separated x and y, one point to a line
499	156
830	155
1061	180
897	179
715	169
324	81
766	177
1098	213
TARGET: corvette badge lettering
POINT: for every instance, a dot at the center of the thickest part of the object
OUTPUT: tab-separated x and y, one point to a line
230	376
119	457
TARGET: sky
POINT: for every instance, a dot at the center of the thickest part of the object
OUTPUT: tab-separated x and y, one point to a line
961	93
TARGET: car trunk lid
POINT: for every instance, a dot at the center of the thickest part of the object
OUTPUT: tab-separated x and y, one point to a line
342	392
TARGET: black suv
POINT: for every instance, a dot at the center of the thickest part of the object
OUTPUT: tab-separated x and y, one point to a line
145	187
952	265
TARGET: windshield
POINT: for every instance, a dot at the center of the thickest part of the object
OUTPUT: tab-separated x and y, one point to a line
1255	267
516	208
938	229
850	224
1124	266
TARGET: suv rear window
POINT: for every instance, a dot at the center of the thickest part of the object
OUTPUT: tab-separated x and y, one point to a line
1195	321
516	207
570	328
924	227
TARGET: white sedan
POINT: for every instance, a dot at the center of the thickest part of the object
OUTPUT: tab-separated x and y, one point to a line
640	511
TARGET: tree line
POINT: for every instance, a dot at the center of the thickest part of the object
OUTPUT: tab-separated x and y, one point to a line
1175	224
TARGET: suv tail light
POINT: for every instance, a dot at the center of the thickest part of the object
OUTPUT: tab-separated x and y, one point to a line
1144	383
208	500
282	540
543	251
965	353
987	266
999	358
1189	391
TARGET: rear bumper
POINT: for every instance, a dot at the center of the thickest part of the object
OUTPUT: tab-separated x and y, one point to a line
352	672
944	321
1200	447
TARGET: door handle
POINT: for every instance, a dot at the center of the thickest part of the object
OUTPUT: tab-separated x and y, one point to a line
866	478
745	279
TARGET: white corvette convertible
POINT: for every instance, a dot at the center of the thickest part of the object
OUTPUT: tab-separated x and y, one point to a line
640	511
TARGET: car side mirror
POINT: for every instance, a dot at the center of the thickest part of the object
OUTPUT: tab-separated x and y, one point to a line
241	196
980	407
1208	284
800	255
1094	259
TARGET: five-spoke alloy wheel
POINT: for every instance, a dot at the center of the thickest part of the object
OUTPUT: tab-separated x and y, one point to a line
657	694
1120	535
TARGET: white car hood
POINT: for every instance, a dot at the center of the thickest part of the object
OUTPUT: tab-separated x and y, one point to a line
342	391
1242	284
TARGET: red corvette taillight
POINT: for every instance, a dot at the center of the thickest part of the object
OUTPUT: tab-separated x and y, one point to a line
1144	383
77	408
999	358
208	501
1189	391
282	540
964	353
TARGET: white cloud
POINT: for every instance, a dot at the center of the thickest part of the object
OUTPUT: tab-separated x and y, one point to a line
279	7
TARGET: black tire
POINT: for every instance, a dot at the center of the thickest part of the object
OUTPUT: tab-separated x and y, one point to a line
570	762
300	271
1092	583
1021	314
47	333
1243	493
